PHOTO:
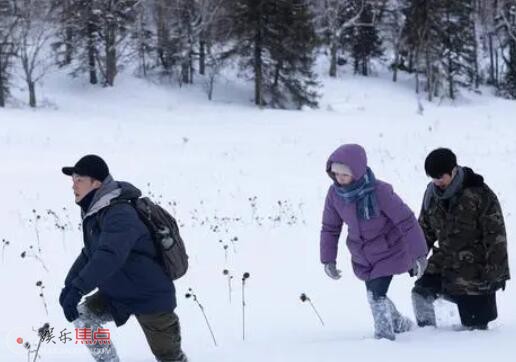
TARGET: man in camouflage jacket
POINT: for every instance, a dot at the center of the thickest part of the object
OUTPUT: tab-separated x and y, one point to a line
463	225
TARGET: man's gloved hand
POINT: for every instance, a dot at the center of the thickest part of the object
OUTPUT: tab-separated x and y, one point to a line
63	294
419	267
70	300
332	271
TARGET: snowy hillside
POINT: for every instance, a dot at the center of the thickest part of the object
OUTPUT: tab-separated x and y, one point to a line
253	180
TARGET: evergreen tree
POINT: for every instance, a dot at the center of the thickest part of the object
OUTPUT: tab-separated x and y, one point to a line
293	54
364	39
99	29
440	36
459	44
275	39
66	32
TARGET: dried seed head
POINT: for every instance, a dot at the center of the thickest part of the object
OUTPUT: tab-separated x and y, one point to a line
246	276
43	330
39	283
188	295
24	254
303	297
225	272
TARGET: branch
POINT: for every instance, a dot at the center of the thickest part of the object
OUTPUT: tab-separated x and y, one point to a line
511	31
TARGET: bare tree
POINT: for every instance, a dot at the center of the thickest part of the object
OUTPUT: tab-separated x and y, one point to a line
214	39
184	32
392	27
215	62
32	37
334	18
507	14
506	32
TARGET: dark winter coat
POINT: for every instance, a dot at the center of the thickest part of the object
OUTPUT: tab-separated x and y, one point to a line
119	257
385	245
471	253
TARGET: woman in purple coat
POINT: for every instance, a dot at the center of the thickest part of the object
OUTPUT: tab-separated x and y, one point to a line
384	237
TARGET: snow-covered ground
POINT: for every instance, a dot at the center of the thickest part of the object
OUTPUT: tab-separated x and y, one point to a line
229	170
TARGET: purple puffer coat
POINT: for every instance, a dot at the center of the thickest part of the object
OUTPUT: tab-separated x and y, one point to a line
386	245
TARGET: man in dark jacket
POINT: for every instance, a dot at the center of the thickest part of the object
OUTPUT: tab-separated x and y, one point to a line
469	263
120	259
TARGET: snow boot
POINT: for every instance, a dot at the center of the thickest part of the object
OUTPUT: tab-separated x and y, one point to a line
91	322
382	315
401	323
423	308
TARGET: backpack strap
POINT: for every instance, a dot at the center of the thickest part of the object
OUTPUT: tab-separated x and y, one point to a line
100	215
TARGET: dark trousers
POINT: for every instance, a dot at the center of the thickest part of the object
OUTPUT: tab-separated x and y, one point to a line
161	330
379	286
474	310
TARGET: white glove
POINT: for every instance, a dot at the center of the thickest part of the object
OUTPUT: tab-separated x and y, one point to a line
331	270
419	267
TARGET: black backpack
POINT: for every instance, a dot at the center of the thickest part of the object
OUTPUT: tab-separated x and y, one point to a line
165	234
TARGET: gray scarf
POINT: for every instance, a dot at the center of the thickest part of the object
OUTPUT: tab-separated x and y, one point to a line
448	193
107	192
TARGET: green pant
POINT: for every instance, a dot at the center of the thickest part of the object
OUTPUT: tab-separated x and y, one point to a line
162	330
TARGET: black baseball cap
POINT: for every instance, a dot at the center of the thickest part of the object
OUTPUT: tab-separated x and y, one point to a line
89	165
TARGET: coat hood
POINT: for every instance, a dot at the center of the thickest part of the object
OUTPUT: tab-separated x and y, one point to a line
351	155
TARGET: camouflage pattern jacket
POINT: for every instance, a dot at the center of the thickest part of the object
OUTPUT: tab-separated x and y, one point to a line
471	250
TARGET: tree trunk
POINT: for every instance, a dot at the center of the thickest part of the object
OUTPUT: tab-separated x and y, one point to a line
202	57
410	64
413	55
68	45
68	32
429	76
333	60
258	75
185	78
191	70
276	75
92	51
110	54
2	89
141	40
396	64
32	93
450	78
497	79
258	97
491	60
162	34
476	75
